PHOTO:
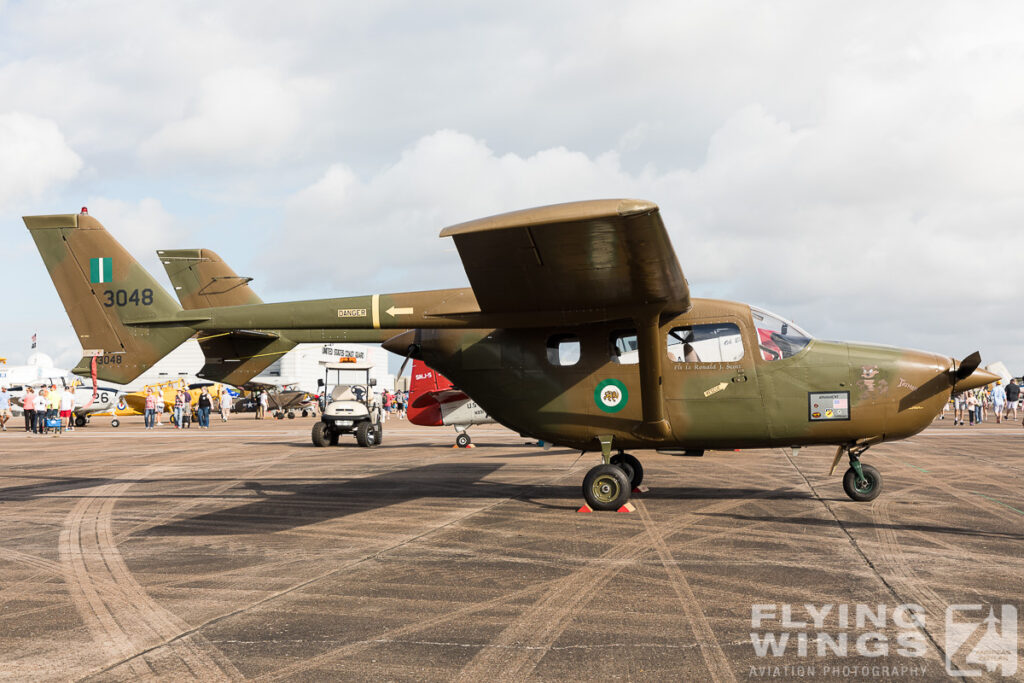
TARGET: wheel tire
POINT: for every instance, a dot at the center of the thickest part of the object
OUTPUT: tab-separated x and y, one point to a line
79	421
606	487
463	440
369	434
635	471
279	415
115	422
863	494
322	437
291	415
305	413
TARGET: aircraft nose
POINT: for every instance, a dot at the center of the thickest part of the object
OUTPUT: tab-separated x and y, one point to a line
978	378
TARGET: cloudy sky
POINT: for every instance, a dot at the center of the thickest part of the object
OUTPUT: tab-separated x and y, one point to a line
858	167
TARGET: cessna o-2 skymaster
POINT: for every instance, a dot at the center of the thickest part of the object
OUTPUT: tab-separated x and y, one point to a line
578	329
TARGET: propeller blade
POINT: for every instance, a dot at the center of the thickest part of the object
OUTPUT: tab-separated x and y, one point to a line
413	348
968	365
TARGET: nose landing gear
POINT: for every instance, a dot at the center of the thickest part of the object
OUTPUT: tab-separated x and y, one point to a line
861	482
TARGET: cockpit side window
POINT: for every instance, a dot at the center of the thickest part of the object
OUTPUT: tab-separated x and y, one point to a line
563	349
709	343
777	337
624	348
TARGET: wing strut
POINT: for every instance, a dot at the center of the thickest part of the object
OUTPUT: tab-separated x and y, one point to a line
652	395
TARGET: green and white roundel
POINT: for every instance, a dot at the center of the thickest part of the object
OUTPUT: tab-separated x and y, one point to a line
611	395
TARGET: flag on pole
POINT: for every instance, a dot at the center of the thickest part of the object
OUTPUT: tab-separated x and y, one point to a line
101	270
33	341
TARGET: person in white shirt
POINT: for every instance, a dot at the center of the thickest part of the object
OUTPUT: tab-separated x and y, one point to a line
225	404
67	408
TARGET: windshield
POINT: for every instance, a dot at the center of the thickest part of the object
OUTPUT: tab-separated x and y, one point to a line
777	337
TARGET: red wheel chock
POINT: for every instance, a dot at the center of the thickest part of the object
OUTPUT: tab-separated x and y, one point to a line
628	507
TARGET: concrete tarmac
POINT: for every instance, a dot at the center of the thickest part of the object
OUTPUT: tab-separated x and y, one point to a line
244	552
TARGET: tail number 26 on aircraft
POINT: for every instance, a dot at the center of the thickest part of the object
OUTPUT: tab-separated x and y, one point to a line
122	297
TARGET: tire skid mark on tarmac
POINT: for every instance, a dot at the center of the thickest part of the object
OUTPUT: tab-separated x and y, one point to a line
718	667
124	624
541	624
992	508
889	587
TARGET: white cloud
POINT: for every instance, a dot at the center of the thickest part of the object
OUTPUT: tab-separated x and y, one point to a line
241	116
33	158
141	227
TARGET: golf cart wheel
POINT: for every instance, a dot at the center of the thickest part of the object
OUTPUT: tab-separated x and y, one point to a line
463	440
115	422
321	436
79	420
291	414
369	434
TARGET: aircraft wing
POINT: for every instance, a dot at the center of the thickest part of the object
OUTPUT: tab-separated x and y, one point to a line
611	254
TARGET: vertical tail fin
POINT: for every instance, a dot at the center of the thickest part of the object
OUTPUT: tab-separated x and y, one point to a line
201	279
102	286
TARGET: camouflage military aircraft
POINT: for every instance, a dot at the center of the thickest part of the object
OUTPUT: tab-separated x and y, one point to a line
578	329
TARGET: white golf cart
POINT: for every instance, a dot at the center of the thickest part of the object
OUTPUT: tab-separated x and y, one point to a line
350	408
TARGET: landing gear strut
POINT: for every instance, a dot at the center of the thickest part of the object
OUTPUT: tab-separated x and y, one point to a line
861	482
609	485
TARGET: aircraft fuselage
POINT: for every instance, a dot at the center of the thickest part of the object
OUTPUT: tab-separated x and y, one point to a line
742	397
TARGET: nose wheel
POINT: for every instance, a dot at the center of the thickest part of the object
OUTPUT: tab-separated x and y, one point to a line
861	482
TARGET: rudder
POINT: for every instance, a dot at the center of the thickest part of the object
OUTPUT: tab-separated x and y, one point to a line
106	293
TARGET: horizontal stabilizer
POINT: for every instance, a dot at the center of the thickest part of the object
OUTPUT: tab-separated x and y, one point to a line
236	357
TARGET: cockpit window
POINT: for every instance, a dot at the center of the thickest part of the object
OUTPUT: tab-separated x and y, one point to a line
709	343
624	350
777	337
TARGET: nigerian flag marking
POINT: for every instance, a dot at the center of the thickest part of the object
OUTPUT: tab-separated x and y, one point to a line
101	270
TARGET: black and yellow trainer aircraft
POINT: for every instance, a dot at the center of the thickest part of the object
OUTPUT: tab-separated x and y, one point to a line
578	329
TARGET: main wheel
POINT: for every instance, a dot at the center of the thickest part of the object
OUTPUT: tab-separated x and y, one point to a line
369	434
606	487
291	415
635	470
463	440
115	422
79	420
321	435
278	415
863	491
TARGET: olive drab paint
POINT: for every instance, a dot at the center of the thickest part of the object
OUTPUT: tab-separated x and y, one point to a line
591	271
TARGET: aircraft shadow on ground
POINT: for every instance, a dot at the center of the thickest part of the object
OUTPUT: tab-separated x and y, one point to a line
924	528
279	506
49	486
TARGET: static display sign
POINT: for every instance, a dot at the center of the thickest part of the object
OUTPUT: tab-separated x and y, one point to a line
834	405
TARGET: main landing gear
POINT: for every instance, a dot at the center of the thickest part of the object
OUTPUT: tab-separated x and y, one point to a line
861	482
609	485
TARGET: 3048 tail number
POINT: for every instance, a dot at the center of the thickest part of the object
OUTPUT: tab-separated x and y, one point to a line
122	297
